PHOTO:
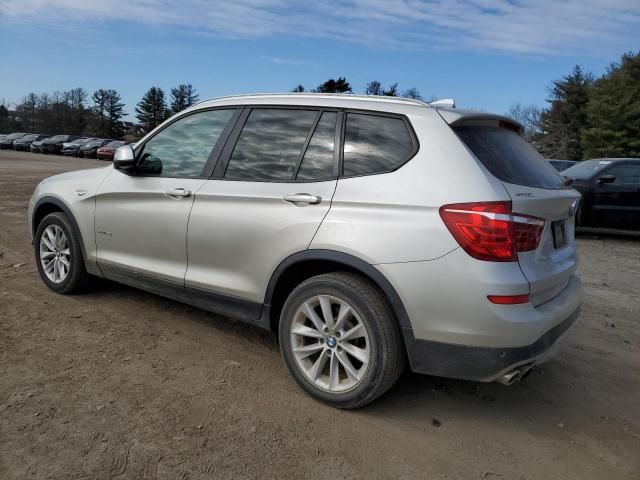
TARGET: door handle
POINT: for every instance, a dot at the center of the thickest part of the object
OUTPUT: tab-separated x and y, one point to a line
178	193
303	198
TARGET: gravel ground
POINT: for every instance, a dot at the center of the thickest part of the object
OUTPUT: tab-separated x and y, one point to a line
118	383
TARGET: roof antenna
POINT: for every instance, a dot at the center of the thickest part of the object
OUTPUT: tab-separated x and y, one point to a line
444	103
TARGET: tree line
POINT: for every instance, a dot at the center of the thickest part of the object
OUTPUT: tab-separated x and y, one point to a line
588	117
101	115
373	87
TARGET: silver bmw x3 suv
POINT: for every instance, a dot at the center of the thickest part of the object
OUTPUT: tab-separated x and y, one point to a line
365	231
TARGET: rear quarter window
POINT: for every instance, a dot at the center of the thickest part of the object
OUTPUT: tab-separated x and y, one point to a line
509	157
375	144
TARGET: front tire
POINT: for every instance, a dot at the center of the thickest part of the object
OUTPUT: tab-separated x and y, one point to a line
340	341
59	255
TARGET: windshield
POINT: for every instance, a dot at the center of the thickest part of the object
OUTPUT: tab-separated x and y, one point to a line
94	143
31	137
587	169
115	144
59	138
14	136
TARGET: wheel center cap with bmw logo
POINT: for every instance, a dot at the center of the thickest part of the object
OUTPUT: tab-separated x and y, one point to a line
331	342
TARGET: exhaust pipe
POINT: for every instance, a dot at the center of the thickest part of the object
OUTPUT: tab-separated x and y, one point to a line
514	376
510	378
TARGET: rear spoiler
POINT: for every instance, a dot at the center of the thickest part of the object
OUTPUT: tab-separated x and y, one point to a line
455	117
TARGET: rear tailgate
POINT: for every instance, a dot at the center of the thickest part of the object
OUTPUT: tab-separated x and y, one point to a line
550	267
536	189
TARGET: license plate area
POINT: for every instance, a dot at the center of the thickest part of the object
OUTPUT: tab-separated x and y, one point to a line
559	232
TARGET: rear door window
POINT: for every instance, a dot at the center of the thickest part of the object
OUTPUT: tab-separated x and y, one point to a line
375	144
270	144
509	157
317	163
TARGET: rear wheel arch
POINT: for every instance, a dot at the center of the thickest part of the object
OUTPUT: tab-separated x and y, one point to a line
303	265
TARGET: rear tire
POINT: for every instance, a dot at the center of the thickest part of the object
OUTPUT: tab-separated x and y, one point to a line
59	255
340	341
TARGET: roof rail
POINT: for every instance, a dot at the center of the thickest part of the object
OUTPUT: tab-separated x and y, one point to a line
444	102
381	98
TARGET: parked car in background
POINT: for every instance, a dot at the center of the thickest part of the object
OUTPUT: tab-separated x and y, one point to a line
89	149
106	152
25	142
7	142
332	220
71	148
54	144
36	146
610	189
562	165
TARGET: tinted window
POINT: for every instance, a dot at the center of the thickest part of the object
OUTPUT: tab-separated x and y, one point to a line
625	174
586	169
318	159
270	144
182	149
375	144
509	157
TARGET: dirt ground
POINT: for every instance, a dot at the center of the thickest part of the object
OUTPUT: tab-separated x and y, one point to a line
122	384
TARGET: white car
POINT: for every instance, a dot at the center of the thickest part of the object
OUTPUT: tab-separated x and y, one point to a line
363	230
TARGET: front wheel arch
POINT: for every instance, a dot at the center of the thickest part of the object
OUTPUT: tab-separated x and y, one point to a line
47	205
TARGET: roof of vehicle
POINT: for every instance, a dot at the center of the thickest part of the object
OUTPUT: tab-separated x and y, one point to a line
338	100
612	159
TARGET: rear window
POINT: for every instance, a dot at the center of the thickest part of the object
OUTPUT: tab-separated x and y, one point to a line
509	157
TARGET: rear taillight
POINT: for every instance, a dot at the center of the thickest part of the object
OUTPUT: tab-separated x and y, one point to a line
509	299
491	231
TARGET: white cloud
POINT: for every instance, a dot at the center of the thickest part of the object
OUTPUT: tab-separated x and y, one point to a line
540	27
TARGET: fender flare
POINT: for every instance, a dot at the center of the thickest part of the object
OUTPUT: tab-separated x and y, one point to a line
67	211
365	268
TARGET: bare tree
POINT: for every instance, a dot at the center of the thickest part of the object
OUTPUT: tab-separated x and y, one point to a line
530	118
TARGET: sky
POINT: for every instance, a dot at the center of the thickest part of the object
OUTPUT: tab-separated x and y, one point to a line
486	54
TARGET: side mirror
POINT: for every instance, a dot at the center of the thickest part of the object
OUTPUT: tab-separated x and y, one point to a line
124	159
606	179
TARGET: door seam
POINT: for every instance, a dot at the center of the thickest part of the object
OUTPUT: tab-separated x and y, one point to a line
335	188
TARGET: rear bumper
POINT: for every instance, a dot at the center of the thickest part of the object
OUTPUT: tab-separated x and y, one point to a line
484	364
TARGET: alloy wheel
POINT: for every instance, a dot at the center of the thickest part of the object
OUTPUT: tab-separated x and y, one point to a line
330	343
55	254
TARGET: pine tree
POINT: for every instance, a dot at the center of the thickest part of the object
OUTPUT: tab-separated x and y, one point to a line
115	112
152	109
565	121
614	111
334	86
100	100
183	96
107	111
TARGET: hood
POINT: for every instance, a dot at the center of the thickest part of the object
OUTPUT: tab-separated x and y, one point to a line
86	175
